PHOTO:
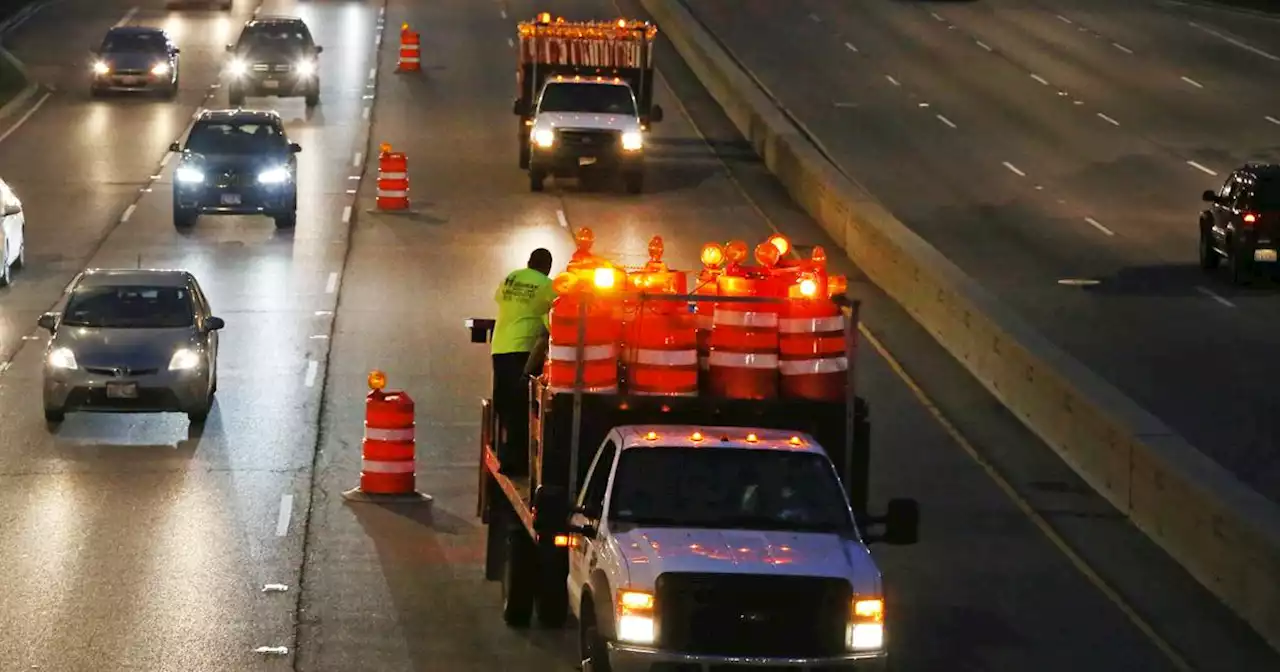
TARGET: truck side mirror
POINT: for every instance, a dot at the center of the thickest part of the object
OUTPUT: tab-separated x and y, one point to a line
295	147
481	329
231	48
1209	197
518	108
175	147
48	322
655	115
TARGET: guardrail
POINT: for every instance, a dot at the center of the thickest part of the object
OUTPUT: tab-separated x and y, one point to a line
1225	534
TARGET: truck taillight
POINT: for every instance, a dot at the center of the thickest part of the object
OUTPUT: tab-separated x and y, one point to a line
1250	218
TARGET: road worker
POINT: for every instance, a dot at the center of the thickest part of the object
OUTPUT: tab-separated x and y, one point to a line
524	312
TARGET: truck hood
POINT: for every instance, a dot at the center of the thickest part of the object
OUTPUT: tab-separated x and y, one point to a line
652	551
601	122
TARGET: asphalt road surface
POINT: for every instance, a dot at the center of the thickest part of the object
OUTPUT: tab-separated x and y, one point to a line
1040	141
129	543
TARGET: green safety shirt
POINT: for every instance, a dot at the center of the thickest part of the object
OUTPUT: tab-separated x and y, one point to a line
524	311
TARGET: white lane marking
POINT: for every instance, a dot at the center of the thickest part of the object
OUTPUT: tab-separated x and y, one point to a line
503	13
1014	168
1272	120
286	512
1210	293
23	119
1193	82
4	366
275	588
357	159
564	221
945	121
271	650
983	45
332	285
850	47
1040	79
1095	224
511	42
313	367
815	18
365	114
1079	282
319	337
1121	47
322	313
128	212
1107	119
165	159
128	16
1233	41
892	80
346	215
1063	18
936	16
846	105
1200	168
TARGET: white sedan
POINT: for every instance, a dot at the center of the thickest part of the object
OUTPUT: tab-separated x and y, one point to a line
13	240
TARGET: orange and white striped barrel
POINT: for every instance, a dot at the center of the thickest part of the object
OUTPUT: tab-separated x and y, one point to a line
744	342
389	449
410	50
703	312
662	353
600	345
812	361
393	180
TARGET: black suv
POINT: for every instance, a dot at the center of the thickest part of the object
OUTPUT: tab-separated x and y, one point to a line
236	162
275	56
1242	223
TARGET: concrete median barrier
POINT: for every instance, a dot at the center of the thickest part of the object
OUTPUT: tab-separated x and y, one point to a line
1222	532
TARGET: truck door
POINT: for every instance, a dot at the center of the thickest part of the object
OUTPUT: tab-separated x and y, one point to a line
585	552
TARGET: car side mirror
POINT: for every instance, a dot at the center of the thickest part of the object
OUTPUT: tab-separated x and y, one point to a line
319	49
655	115
48	322
175	147
901	523
590	511
518	108
12	209
1209	197
295	147
214	323
177	50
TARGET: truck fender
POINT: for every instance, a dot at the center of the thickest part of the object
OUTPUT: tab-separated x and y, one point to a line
602	596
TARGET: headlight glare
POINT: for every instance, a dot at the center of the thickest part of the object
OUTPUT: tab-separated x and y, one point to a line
306	68
101	68
237	67
188	175
184	360
273	176
62	358
632	141
160	69
544	137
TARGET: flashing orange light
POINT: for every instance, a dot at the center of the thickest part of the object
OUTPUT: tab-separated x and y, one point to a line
562	540
605	278
868	611
634	600
837	285
544	17
767	255
808	288
712	255
622	23
584	238
736	252
795	441
695	437
819	255
564	283
377	380
385	148
752	438
651	436
780	241
656	249
404	27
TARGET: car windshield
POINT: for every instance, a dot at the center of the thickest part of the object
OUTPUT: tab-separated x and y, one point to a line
234	137
275	36
129	307
1265	194
127	42
729	489
591	98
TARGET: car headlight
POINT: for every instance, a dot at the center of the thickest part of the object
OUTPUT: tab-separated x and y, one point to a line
188	175
160	69
237	67
62	358
273	176
632	141
306	68
100	68
544	137
184	360
635	617
866	631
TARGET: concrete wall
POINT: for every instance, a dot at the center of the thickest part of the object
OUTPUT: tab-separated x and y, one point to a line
1222	532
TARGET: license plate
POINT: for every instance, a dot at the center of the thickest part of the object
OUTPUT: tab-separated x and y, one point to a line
231	199
586	160
129	81
1264	255
122	390
270	84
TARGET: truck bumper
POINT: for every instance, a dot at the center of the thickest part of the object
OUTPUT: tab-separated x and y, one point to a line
569	161
631	658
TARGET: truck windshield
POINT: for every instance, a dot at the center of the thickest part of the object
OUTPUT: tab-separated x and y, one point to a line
588	98
729	489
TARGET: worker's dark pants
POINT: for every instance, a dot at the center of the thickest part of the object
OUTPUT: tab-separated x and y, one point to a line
511	405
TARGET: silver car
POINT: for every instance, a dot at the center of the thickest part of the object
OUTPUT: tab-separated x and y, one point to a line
131	341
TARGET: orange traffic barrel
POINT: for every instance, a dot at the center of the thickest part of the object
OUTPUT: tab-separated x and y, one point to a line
393	180
812	362
662	351
389	446
744	342
599	343
410	50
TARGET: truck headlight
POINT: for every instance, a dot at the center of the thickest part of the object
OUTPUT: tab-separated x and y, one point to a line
101	68
188	175
160	69
237	67
635	617
62	358
632	141
866	631
273	176
306	68
544	138
184	360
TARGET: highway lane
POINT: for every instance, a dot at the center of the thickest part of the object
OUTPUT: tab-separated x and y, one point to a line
1091	200
134	542
399	587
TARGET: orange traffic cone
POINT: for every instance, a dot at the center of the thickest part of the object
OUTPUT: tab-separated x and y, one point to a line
388	461
410	50
393	180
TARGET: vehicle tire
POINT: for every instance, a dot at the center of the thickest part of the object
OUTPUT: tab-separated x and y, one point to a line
95	92
313	96
54	415
519	580
199	415
634	182
537	178
172	91
591	645
1237	268
235	96
6	271
1209	257
552	603
184	218
525	151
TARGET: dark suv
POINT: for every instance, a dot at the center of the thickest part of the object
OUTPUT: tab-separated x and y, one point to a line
236	162
1242	223
275	56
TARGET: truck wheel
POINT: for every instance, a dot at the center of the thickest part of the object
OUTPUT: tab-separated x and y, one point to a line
536	179
519	583
235	96
591	646
184	218
1209	258
524	154
634	182
553	595
313	96
495	546
1237	267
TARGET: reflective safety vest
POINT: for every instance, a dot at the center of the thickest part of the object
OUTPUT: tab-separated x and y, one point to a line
524	304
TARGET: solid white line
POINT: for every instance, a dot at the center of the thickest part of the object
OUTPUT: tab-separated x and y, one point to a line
346	215
1193	82
1014	168
1094	223
935	15
357	159
983	45
373	73
564	221
165	159
1040	79
1231	40
850	47
503	13
1107	119
892	80
1063	18
128	212
4	366
815	18
1272	120
1121	47
1200	168
945	120
128	16
286	511
313	367
332	284
1209	293
365	114
23	119
511	42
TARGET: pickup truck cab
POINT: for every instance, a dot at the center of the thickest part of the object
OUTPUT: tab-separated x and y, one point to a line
693	546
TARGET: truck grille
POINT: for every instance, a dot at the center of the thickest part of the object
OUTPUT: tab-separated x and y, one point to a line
593	139
752	615
229	178
267	67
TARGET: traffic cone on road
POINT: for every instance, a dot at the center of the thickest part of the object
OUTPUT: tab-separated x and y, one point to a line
410	50
388	452
393	179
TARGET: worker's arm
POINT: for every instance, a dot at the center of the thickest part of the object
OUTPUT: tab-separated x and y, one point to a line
542	303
